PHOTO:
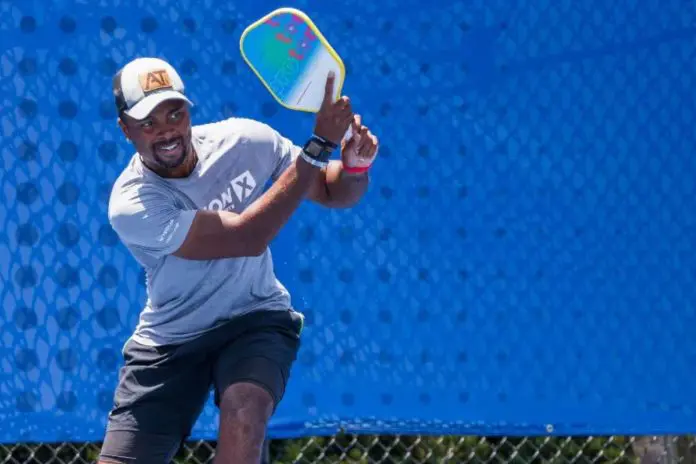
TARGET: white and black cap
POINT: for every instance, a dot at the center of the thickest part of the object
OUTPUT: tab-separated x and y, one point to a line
143	84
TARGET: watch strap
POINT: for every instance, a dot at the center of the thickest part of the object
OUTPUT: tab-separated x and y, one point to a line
326	142
313	161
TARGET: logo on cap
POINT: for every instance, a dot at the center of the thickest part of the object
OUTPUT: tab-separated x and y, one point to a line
155	80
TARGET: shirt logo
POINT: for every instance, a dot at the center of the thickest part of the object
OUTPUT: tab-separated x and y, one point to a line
240	188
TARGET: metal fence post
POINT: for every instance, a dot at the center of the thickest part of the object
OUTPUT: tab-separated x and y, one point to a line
670	449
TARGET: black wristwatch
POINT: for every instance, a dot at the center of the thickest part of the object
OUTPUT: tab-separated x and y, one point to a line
317	150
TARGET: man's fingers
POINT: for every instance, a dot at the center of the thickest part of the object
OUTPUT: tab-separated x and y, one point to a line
364	141
344	113
341	115
365	138
368	145
346	105
329	89
335	115
361	139
357	122
375	146
352	144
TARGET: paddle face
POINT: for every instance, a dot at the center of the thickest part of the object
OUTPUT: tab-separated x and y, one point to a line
292	58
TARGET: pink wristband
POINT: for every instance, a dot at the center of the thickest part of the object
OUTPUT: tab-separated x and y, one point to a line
356	169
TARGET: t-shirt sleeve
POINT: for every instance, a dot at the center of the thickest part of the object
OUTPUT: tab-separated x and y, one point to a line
149	221
267	145
284	153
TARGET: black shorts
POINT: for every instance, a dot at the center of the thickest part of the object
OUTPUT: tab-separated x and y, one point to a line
162	390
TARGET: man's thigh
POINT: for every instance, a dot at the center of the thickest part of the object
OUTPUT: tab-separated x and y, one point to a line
161	392
263	353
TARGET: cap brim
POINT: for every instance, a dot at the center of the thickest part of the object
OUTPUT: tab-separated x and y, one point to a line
144	107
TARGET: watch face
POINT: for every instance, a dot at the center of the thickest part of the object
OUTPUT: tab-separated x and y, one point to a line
314	148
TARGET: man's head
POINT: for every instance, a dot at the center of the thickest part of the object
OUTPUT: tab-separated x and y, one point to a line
154	112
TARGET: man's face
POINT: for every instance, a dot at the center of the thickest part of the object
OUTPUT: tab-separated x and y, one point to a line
163	139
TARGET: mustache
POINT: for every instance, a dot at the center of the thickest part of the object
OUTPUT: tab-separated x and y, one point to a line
169	141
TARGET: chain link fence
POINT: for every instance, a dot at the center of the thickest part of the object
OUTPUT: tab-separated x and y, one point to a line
364	449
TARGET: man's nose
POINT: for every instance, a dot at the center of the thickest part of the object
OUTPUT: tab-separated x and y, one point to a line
165	132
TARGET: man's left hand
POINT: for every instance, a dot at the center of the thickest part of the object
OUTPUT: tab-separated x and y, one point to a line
359	151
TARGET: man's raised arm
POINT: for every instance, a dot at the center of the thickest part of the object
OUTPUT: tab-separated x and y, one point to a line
222	234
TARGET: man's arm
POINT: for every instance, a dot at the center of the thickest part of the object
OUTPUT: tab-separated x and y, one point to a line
342	187
223	234
336	188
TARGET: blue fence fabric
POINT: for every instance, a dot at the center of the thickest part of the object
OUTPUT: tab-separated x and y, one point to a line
522	264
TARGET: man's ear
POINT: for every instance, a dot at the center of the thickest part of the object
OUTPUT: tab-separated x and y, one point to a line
123	127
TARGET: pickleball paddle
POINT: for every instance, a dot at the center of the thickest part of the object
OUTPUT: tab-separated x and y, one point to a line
291	57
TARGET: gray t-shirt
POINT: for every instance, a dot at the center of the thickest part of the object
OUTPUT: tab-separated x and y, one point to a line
152	216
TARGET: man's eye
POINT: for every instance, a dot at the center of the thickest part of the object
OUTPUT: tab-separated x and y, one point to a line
175	116
146	124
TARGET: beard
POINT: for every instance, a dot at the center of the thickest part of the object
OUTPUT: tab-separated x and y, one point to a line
171	153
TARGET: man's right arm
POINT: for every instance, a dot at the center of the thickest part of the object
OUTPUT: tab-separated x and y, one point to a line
223	234
226	235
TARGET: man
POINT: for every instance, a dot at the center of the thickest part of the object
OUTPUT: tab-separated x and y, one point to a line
190	208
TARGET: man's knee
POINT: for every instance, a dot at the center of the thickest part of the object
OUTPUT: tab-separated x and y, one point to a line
245	408
246	403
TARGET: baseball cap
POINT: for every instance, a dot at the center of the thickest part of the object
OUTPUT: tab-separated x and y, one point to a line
144	83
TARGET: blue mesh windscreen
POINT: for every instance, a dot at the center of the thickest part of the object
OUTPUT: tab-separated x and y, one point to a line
523	262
